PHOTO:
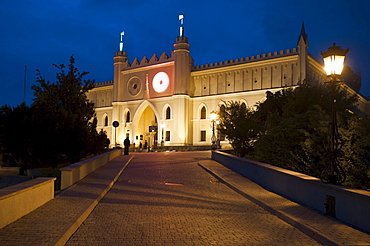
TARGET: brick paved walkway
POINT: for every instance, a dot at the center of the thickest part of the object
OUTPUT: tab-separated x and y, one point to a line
54	222
167	199
325	229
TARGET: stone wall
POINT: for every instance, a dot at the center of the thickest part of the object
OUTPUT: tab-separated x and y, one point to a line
346	204
21	199
77	171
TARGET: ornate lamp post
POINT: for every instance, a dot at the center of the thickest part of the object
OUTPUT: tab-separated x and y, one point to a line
162	142
333	65
213	115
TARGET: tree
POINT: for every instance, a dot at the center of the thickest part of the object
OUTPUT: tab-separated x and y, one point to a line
356	152
16	134
290	129
238	127
65	118
295	131
60	125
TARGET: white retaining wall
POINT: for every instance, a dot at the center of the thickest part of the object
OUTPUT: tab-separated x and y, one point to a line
351	205
20	199
77	171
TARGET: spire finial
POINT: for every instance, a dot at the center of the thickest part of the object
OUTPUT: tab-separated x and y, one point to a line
303	31
181	19
121	43
303	34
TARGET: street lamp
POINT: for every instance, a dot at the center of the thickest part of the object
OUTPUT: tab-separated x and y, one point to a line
162	142
333	65
213	116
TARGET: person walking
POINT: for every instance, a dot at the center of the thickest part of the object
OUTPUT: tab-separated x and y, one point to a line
126	143
145	145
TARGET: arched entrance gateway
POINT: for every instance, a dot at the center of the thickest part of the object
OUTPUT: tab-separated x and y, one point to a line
145	126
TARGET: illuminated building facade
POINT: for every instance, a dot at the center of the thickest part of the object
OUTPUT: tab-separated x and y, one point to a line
167	100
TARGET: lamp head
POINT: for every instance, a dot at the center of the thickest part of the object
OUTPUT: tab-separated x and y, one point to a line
213	115
334	60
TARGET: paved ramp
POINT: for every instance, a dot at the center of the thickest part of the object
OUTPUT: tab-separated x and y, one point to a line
167	199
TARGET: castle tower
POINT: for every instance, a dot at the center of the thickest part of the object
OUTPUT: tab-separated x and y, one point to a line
181	96
183	62
303	53
120	62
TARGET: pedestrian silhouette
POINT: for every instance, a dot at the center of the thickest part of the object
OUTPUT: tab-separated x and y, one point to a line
126	143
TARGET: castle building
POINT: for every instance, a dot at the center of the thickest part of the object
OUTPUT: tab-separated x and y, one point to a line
166	100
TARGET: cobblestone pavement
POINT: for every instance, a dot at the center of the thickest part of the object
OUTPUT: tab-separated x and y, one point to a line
167	199
55	221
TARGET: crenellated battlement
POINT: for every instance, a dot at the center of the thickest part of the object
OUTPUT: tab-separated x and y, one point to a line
152	61
263	56
106	83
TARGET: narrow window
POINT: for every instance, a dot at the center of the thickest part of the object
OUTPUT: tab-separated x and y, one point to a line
168	136
203	113
128	115
202	135
222	111
168	113
106	120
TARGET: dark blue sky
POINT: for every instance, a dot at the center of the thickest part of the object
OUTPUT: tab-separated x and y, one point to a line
38	33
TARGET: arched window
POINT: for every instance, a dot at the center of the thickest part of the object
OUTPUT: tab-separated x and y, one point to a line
203	113
168	113
128	116
222	111
243	106
106	120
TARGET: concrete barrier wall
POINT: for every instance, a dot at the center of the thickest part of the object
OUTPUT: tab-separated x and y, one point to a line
77	171
19	200
351	205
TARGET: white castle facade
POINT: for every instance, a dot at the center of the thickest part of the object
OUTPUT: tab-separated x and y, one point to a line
166	100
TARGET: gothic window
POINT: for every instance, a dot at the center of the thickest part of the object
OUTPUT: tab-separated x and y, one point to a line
106	120
167	136
168	113
128	116
203	113
243	106
222	111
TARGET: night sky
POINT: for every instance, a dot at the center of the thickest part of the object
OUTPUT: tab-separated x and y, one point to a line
39	33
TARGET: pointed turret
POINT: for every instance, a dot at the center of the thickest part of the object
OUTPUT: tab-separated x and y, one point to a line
303	53
303	37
